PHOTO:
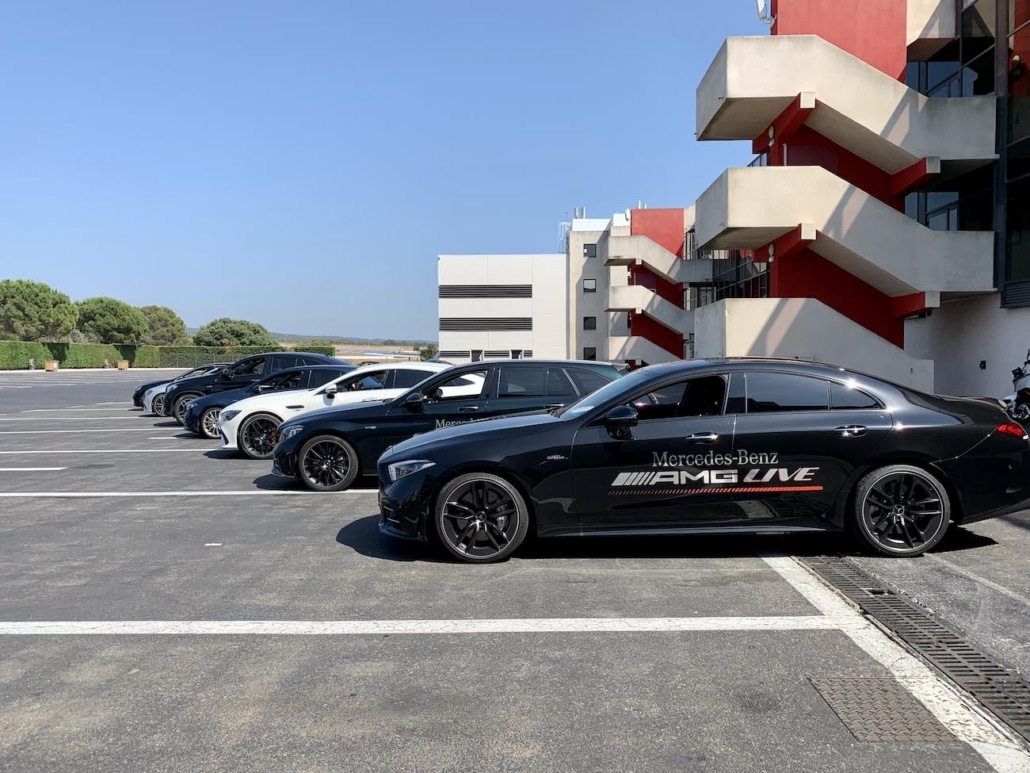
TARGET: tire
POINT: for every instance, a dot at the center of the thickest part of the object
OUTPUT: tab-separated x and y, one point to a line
208	424
256	436
179	407
157	405
480	518
327	463
899	510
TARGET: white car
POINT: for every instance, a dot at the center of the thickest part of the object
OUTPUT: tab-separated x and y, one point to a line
153	398
249	425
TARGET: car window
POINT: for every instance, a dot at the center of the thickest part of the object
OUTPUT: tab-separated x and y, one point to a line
587	381
319	377
285	361
559	384
844	398
779	392
522	382
248	368
407	378
698	396
456	388
372	380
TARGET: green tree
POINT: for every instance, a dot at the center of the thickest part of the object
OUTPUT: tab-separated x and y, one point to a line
232	332
33	311
110	321
164	327
428	352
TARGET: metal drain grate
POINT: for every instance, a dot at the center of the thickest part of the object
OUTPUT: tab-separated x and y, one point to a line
880	710
999	690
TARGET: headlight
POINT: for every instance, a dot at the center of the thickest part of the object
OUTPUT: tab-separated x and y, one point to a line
399	470
228	415
289	432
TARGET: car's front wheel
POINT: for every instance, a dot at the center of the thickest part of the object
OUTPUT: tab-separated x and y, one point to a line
256	436
209	423
900	510
157	405
327	463
481	518
179	407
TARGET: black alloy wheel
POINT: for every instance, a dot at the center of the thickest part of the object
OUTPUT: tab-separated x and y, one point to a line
481	518
179	408
209	423
327	463
257	435
901	510
157	405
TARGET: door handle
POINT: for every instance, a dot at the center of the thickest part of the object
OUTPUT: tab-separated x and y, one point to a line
850	430
552	406
702	437
468	409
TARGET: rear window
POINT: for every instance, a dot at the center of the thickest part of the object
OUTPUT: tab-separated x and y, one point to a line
559	384
404	379
845	398
587	381
522	382
785	392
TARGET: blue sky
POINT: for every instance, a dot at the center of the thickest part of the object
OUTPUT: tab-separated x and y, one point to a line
301	164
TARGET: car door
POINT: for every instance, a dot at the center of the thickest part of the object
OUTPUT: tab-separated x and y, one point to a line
798	439
246	372
673	470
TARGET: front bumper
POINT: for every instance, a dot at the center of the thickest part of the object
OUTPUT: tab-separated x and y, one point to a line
285	465
229	430
191	419
404	506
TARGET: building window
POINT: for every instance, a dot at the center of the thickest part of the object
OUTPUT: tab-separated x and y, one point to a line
589	250
590	323
590	285
589	352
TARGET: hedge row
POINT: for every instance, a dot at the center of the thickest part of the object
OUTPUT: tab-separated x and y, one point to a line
15	355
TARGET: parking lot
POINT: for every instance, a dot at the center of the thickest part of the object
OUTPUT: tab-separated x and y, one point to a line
170	607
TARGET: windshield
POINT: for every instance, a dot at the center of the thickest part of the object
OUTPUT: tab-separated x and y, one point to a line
611	391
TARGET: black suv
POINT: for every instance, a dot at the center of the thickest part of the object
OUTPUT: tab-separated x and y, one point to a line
329	448
238	375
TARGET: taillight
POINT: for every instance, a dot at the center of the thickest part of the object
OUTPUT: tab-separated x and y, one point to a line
1012	429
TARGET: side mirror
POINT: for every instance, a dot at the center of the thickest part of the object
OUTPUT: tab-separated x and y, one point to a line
414	401
330	391
620	420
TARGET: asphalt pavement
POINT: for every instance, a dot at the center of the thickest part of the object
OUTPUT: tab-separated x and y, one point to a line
168	606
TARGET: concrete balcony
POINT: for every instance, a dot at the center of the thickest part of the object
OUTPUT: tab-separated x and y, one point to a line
640	250
626	348
754	79
749	208
931	25
641	300
806	329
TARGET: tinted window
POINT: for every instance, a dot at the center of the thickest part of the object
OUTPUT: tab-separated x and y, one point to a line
284	361
522	382
319	377
467	386
373	380
558	383
776	392
405	379
736	401
701	396
844	398
255	367
587	381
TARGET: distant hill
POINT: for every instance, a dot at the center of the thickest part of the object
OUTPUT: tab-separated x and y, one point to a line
343	340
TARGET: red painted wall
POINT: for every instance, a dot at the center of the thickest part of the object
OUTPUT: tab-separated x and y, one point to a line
656	333
664	226
872	30
641	275
808	275
808	148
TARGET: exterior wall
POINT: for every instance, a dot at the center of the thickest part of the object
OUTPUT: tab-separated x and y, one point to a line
546	274
962	333
577	303
875	31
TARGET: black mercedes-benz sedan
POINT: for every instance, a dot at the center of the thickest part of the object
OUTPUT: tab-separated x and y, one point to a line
709	447
330	448
137	395
201	414
236	376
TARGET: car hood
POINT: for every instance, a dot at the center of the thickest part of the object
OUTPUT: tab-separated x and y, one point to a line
220	398
521	426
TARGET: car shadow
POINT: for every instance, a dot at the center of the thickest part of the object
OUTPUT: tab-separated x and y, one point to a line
223	453
363	536
168	424
275	483
962	539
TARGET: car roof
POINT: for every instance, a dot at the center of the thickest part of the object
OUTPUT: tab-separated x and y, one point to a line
783	364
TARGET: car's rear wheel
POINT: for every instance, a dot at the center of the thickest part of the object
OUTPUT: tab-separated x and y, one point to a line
900	510
481	518
179	407
209	423
158	405
256	436
327	463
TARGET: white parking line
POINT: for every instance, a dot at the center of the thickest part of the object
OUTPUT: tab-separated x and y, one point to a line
73	418
965	721
32	469
72	431
247	493
106	451
398	627
178	437
59	410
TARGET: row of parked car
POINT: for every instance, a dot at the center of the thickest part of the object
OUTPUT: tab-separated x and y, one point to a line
342	417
